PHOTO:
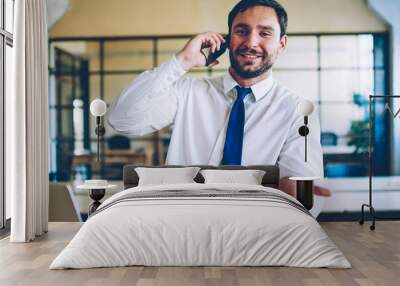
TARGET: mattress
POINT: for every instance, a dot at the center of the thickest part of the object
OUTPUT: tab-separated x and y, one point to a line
201	225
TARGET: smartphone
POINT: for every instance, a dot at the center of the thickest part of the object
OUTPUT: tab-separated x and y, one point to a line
213	56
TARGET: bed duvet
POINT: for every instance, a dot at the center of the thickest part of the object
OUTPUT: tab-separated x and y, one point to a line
201	225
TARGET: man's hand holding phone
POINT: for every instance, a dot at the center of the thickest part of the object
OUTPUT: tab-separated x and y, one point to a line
193	55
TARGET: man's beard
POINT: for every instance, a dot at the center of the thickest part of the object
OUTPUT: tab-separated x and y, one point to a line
266	64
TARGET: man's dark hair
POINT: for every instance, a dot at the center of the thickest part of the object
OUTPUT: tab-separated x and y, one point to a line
245	4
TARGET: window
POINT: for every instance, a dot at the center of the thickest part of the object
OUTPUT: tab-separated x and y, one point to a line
335	71
6	43
338	73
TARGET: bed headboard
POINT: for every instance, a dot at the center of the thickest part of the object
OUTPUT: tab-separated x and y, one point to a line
270	179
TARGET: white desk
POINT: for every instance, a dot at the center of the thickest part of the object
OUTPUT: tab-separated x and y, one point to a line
338	149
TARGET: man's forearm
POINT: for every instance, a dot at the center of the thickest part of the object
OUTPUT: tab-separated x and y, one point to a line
287	186
149	102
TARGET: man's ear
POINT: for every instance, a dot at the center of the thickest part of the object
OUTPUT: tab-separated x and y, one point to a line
283	43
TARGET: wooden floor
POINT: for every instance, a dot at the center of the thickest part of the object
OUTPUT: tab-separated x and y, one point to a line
374	255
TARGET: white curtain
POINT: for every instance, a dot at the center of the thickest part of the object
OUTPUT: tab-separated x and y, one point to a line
27	124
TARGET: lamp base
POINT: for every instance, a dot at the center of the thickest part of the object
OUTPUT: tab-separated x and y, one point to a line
305	190
305	193
96	195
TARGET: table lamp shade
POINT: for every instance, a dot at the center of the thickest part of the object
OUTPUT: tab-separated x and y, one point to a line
98	107
305	107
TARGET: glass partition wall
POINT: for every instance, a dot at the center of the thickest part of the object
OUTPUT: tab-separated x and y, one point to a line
336	71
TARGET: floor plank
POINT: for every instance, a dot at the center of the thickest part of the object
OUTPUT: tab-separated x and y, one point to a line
374	255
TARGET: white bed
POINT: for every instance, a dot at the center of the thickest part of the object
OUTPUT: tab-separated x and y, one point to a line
249	225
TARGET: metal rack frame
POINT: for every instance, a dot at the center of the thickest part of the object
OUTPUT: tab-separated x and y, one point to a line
371	165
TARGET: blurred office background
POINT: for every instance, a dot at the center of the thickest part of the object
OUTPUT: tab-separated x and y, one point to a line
337	56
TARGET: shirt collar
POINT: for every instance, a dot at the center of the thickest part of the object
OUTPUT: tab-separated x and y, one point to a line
259	90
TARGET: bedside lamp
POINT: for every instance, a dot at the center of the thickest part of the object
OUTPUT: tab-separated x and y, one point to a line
97	188
305	185
98	108
305	108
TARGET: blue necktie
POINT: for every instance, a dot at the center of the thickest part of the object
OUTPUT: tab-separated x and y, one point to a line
234	134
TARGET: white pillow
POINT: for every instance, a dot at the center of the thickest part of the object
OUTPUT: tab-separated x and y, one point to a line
249	177
164	176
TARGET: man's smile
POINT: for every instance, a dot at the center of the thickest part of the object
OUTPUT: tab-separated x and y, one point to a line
249	55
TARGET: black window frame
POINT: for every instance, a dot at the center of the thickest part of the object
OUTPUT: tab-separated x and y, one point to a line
6	39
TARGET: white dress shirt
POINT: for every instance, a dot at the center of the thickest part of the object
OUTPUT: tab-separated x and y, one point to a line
198	111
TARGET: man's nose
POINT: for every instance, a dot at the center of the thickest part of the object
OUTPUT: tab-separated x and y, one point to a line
252	40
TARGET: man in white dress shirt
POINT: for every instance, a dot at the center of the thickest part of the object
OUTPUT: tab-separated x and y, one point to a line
199	109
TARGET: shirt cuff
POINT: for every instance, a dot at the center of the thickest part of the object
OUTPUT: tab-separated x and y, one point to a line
177	67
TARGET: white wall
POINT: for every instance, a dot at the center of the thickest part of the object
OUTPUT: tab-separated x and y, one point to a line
143	17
